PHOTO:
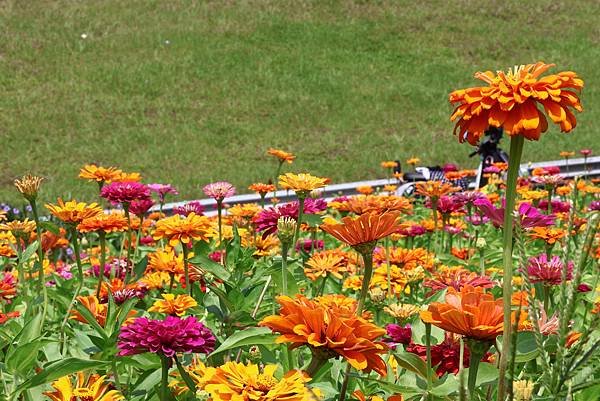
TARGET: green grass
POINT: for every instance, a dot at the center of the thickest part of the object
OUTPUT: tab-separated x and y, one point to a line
343	85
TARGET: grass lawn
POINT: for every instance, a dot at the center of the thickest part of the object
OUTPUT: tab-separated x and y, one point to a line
186	92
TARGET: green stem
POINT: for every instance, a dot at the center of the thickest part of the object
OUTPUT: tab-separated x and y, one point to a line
299	222
219	219
322	286
79	285
516	149
40	252
389	267
368	260
428	356
284	269
477	350
461	371
164	383
186	268
102	235
126	209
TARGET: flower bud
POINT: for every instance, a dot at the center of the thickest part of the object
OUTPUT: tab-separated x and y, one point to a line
481	243
202	395
377	295
522	390
29	186
254	353
286	226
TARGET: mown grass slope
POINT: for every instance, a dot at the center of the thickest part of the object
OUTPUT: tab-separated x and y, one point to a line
188	92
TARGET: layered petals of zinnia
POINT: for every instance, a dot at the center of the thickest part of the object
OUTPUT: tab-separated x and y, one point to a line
236	381
73	212
94	388
512	101
470	312
332	330
367	228
182	229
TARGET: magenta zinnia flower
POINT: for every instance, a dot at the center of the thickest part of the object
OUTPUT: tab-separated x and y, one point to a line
162	190
219	190
529	216
141	206
549	272
125	192
167	337
398	334
190	207
266	220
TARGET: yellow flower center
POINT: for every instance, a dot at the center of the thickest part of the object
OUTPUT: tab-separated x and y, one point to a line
265	382
84	394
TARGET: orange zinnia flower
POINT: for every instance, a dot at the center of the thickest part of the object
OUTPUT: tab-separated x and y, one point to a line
107	222
165	260
262	189
282	155
366	229
73	212
548	234
566	154
302	183
106	175
335	331
365	189
470	312
323	263
172	305
389	164
413	161
435	189
182	229
92	388
511	101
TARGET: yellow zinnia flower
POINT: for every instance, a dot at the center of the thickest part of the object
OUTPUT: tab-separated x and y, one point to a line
182	229
172	305
302	183
73	212
93	388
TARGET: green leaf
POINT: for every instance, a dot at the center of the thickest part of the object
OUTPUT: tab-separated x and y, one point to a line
29	251
28	333
23	357
412	363
251	336
49	226
526	347
210	266
487	373
57	369
91	320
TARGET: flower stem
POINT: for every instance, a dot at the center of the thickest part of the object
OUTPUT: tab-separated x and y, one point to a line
129	233
186	268
284	269
102	235
164	383
428	356
79	285
298	223
40	251
461	371
368	260
477	350
219	219
516	149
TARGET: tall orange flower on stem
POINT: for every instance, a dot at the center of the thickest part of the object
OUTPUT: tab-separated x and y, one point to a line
511	101
362	234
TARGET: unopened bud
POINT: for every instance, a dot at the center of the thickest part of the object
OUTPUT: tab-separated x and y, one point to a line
286	227
481	243
254	353
29	186
202	395
377	295
522	390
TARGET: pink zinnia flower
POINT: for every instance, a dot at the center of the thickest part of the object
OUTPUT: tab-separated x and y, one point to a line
167	337
266	220
162	190
219	190
398	334
585	152
549	272
308	244
557	206
141	206
529	216
190	207
125	192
